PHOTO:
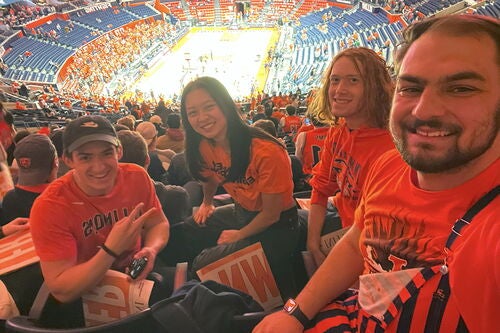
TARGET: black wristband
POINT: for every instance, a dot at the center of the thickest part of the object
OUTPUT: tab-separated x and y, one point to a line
292	308
108	251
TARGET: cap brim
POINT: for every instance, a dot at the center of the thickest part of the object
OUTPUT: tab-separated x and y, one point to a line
92	137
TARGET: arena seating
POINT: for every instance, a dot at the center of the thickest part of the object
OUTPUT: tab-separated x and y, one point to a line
490	9
141	11
321	30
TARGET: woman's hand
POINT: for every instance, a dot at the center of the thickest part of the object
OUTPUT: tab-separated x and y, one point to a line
229	236
203	213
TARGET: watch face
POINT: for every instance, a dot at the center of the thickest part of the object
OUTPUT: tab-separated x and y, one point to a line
290	305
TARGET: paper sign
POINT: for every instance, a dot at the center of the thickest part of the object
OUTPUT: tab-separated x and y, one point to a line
246	270
309	263
114	298
329	240
17	251
304	203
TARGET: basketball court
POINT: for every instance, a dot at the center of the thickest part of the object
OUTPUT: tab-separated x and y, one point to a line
235	57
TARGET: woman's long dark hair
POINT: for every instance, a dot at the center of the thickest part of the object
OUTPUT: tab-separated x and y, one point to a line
239	134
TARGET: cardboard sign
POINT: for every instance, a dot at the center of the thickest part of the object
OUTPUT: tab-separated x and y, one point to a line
115	297
304	203
246	270
17	251
329	240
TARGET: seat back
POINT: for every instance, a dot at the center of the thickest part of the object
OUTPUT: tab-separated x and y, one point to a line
139	322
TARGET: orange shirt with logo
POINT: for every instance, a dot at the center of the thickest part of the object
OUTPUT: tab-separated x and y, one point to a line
345	160
269	171
404	226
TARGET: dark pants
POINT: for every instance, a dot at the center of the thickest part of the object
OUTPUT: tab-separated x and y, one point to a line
332	223
279	241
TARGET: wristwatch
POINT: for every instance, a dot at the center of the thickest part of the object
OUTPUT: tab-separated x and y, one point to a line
292	308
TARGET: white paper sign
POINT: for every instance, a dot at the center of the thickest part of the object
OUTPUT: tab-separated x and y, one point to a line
115	297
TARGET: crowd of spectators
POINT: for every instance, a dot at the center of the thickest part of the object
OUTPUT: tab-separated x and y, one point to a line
96	64
16	15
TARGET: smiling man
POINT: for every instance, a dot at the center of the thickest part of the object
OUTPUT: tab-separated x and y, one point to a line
90	220
424	258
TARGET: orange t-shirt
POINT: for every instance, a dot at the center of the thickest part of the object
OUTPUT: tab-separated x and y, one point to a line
269	171
406	227
345	159
66	224
292	124
313	144
278	115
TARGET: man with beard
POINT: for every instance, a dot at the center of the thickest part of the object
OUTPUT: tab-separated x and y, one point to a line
417	248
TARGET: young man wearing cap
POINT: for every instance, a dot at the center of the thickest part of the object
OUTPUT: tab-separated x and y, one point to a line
38	164
99	216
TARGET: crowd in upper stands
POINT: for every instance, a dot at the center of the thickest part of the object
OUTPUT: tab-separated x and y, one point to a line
97	63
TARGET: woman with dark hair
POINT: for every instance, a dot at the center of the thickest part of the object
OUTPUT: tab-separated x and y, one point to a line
355	98
253	167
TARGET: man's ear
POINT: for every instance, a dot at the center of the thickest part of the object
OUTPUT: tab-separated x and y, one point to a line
119	152
147	162
68	160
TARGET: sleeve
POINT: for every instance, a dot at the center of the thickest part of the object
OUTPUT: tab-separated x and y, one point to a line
52	237
274	168
476	254
324	180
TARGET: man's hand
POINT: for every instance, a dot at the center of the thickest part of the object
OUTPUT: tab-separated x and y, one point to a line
149	253
229	236
203	213
279	322
125	232
18	224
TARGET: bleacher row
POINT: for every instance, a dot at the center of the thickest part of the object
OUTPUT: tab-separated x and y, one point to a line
312	53
431	7
38	56
492	9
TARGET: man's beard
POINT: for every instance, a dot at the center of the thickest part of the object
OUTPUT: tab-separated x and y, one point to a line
428	160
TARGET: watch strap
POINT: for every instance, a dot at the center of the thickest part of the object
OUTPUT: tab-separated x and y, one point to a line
299	315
